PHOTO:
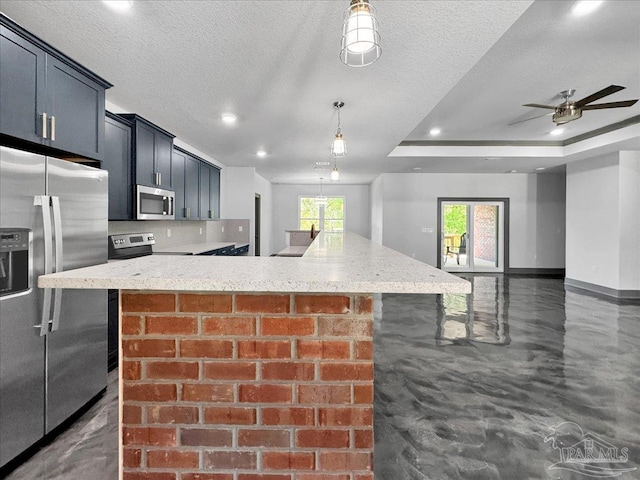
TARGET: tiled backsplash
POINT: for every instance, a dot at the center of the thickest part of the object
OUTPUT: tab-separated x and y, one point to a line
173	234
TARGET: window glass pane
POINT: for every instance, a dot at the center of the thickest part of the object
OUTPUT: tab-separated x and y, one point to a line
333	225
334	209
329	217
309	213
305	223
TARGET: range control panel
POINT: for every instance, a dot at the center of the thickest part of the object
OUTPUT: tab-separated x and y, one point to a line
127	240
130	245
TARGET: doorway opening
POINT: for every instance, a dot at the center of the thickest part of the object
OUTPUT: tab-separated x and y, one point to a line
473	234
256	238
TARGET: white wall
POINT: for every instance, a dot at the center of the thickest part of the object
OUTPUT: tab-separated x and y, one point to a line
629	221
603	221
536	239
593	222
285	205
377	203
238	201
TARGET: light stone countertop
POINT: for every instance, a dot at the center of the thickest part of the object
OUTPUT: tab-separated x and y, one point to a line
194	248
293	251
334	263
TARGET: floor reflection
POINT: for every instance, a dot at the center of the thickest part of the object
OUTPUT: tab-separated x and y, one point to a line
470	387
479	317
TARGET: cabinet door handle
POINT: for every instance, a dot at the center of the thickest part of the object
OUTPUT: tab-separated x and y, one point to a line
188	212
53	128
44	124
158	178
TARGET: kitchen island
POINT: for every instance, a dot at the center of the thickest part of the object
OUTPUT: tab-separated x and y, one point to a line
246	368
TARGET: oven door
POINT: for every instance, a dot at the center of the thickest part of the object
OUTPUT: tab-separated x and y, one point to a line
154	203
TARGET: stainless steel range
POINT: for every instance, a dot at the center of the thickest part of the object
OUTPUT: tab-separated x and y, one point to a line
130	245
122	247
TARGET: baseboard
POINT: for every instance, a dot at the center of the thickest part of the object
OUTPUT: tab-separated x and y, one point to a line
599	289
547	272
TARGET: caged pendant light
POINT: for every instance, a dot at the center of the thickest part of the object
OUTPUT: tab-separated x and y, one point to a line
360	37
339	145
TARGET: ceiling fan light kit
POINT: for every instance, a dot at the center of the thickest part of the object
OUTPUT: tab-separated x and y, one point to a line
569	111
360	37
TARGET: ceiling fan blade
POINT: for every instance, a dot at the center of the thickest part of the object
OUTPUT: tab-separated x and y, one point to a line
537	105
598	95
532	118
598	106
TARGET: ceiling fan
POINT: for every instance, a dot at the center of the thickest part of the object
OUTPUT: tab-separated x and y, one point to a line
569	110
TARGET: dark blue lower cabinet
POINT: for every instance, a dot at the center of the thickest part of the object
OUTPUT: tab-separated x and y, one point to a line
241	250
226	251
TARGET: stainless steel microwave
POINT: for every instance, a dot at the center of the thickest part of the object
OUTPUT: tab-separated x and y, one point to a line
154	203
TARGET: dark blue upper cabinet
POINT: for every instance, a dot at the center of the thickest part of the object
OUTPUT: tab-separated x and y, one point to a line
209	191
48	99
191	187
117	161
178	160
22	87
152	150
186	184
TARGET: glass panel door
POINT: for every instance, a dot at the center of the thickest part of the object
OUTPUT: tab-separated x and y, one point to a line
455	225
472	236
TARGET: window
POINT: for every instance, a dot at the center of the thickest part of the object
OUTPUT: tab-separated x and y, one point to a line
328	218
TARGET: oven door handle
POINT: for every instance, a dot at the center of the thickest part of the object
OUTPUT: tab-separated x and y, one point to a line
57	228
45	202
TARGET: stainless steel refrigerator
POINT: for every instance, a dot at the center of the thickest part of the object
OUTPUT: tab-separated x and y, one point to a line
53	342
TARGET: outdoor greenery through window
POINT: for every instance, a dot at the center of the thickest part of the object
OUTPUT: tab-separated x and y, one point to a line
328	218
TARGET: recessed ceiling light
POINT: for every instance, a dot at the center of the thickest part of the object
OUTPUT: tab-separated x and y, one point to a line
556	131
323	163
417	169
513	171
585	7
261	153
228	118
435	131
541	168
119	5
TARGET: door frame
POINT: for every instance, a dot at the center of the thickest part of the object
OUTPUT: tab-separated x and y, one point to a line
505	267
257	205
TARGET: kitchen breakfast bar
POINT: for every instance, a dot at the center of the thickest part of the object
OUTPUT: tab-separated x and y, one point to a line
252	368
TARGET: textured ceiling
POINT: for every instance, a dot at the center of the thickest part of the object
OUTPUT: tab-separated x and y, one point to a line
465	66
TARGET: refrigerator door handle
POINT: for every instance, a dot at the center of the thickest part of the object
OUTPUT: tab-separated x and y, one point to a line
57	228
44	202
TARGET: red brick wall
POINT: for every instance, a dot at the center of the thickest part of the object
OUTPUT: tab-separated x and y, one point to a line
246	387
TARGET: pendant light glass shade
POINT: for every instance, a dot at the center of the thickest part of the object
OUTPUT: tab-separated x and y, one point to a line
360	37
335	174
339	145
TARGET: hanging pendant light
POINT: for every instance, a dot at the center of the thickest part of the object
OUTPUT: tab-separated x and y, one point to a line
321	199
360	37
339	145
335	173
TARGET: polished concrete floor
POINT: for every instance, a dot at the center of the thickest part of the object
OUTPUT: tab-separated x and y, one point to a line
487	386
